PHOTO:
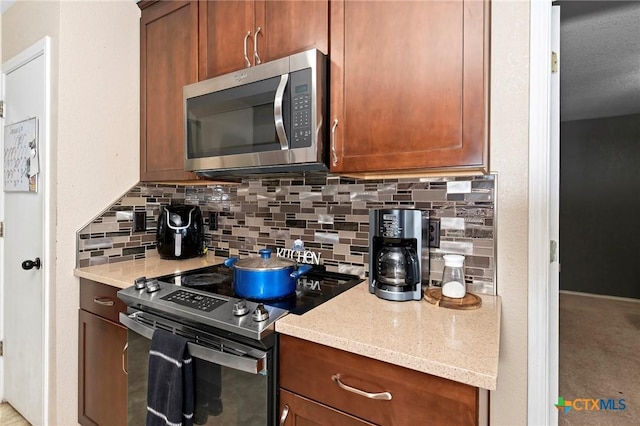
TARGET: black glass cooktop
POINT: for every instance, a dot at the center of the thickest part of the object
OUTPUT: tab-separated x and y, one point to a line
314	288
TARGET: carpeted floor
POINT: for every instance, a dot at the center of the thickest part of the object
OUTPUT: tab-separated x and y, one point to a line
599	358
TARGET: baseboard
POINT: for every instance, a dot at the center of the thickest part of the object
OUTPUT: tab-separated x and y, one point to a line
601	296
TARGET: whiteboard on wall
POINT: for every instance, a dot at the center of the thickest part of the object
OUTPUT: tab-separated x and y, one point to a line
21	165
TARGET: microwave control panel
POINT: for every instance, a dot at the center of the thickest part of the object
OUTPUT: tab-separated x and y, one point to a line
301	108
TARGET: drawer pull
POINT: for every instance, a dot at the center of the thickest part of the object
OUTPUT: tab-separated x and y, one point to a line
380	395
104	301
285	413
124	362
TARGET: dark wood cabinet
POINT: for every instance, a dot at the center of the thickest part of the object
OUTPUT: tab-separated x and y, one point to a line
316	380
168	61
102	381
266	30
300	411
409	86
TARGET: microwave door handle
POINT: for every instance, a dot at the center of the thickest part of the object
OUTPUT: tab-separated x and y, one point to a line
277	112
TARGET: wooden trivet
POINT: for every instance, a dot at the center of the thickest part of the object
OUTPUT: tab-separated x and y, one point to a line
468	302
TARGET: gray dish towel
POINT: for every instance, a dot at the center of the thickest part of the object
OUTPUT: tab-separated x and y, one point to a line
170	387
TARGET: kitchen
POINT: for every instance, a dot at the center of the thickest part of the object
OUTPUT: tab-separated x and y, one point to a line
112	154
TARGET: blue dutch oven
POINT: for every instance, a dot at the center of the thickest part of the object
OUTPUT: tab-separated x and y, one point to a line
265	277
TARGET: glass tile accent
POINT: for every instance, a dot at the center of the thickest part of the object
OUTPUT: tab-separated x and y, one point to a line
329	213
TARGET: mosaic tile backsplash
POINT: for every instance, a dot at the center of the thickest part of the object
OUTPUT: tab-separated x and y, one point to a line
330	214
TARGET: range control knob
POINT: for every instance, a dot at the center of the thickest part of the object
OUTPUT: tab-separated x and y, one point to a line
260	314
140	283
152	286
240	308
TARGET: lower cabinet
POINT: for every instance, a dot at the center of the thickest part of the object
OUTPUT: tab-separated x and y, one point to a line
297	410
102	381
326	386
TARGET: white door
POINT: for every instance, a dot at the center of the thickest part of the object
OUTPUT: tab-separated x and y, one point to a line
25	309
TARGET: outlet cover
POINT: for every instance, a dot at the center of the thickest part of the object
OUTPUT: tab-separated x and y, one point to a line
139	221
434	233
213	221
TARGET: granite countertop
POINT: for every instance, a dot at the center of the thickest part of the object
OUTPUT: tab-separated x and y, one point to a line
459	345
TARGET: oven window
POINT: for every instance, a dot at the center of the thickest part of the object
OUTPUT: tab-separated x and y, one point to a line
233	121
223	396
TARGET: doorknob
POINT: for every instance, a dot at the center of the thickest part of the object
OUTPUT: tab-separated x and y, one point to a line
30	264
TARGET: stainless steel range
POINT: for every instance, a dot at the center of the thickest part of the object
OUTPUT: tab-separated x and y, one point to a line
232	340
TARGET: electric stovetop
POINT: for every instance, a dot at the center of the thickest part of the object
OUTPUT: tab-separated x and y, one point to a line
205	297
314	288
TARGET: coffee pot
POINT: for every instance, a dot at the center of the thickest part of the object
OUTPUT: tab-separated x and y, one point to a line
397	266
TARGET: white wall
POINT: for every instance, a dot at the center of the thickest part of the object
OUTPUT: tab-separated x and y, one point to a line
95	129
509	130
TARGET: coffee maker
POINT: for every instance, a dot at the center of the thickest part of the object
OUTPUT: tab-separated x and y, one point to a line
398	253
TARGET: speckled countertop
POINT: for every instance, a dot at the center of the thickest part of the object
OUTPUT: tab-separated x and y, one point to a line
122	274
457	345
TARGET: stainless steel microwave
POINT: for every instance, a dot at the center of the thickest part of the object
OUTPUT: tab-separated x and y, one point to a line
267	118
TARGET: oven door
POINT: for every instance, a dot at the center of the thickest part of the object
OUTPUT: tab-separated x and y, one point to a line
234	383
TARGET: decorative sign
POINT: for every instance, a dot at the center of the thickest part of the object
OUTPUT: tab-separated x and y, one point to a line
21	164
299	254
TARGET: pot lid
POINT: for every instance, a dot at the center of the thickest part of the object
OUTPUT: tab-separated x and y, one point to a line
264	263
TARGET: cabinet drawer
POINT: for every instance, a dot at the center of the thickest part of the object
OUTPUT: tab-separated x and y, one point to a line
100	299
296	410
309	369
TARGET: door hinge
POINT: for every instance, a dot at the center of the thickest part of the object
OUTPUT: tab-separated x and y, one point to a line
553	251
554	62
1	348
1	109
1	229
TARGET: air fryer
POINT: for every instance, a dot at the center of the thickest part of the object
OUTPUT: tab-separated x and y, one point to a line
180	232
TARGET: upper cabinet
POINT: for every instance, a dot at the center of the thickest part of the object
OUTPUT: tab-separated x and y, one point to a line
182	42
168	61
239	34
409	86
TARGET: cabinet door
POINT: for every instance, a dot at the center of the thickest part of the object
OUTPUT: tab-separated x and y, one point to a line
102	382
408	85
299	411
288	27
224	26
168	61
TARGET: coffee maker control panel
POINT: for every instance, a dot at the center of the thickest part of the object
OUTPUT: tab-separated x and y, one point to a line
390	226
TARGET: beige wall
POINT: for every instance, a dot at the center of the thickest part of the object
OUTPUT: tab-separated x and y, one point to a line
509	158
95	132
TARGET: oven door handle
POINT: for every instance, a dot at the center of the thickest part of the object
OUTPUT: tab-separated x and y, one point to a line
248	365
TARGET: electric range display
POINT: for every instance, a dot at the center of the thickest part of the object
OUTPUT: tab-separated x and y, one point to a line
195	301
312	289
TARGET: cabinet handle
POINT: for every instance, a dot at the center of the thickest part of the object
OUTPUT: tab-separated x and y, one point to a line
246	55
124	364
334	155
257	60
285	413
104	301
381	395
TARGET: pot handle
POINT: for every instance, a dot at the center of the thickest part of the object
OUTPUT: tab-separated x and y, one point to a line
230	262
302	269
